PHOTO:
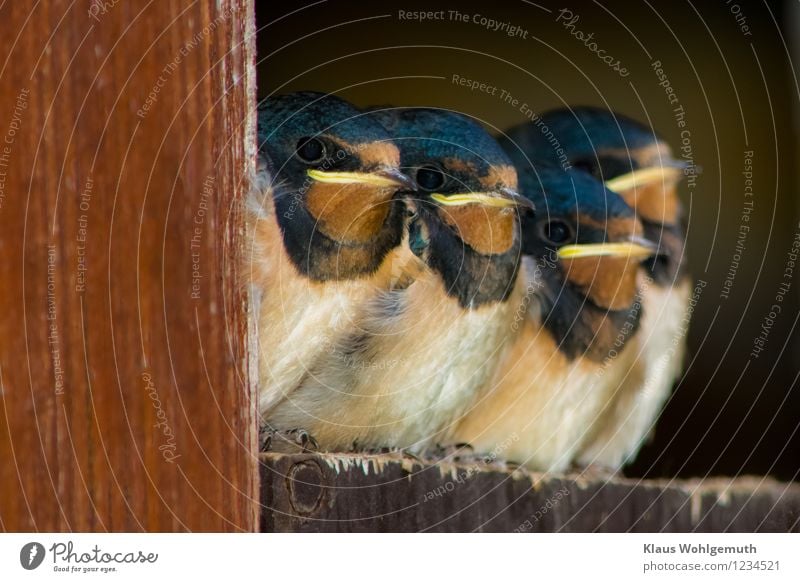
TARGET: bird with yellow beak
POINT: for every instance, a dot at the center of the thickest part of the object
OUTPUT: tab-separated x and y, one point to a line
323	219
569	351
638	165
415	357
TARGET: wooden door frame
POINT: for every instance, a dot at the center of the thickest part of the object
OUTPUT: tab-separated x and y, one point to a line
126	399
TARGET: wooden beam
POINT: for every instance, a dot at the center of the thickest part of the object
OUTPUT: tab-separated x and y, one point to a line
125	403
350	493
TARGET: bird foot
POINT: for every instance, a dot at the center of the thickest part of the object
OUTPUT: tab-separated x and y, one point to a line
295	440
464	453
367	451
452	452
595	472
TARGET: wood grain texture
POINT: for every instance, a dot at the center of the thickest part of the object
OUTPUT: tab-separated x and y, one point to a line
125	403
385	493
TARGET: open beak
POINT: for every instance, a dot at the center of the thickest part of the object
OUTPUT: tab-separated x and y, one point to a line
635	247
504	198
383	177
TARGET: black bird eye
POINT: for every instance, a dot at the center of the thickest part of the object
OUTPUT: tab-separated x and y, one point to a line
310	150
430	178
613	166
557	231
604	167
588	166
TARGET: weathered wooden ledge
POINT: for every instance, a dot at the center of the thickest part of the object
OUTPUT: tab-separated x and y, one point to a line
390	493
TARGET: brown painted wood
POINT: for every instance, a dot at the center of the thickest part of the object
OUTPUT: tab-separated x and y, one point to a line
125	405
385	493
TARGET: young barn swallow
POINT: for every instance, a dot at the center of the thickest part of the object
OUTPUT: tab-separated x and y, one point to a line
323	219
582	251
416	356
638	165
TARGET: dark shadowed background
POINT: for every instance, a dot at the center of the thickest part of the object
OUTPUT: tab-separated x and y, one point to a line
728	64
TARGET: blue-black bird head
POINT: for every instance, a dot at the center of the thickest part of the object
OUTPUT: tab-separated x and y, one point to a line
467	222
333	177
624	154
586	247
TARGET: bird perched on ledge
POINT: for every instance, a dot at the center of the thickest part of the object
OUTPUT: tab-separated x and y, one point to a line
582	252
415	357
323	220
638	165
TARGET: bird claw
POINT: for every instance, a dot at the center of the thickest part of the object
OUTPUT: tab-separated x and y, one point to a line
265	438
287	439
464	453
412	456
453	452
383	451
594	472
304	439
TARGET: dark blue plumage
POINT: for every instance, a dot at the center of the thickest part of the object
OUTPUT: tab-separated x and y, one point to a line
583	133
449	154
324	210
439	134
569	193
608	145
639	166
583	212
332	172
312	113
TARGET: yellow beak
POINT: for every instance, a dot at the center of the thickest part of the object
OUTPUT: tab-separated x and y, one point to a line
635	248
505	199
643	177
381	178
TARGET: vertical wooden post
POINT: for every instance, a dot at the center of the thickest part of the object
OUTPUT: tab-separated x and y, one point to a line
125	141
